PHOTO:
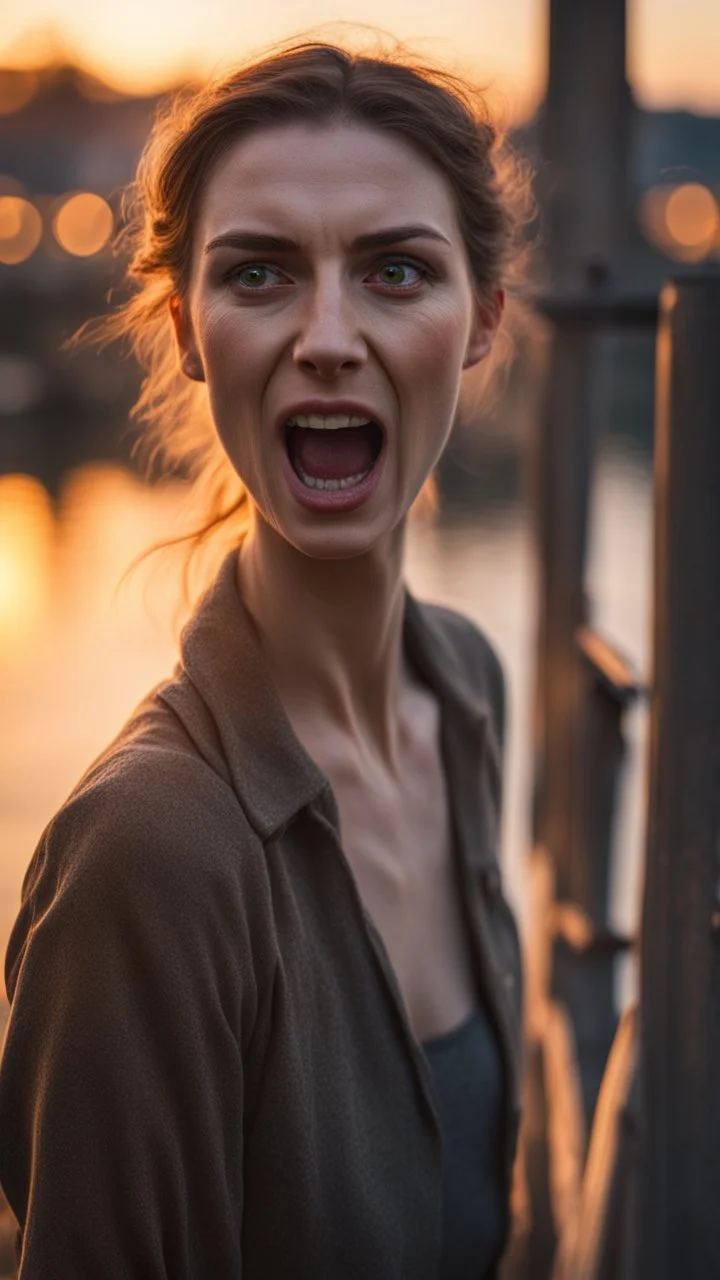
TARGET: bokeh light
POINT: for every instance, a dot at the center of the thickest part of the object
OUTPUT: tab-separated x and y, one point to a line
683	221
20	229
83	224
692	218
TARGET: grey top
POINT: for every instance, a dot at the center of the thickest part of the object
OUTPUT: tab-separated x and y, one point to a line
468	1083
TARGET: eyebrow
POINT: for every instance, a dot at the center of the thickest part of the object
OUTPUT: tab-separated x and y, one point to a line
260	242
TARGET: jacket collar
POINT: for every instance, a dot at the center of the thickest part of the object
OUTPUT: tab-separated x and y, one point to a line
240	711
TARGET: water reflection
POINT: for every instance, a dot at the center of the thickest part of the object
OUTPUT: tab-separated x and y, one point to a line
26	544
76	651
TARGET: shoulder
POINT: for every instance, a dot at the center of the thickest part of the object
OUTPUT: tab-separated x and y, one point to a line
150	837
153	794
475	657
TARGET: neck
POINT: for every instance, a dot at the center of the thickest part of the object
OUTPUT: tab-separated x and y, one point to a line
332	631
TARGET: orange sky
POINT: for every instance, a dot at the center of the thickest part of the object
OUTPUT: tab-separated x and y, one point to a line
143	44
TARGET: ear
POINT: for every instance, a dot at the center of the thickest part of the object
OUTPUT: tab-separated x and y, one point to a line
187	349
484	326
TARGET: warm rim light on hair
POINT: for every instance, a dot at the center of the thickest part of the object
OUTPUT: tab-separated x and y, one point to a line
20	229
83	224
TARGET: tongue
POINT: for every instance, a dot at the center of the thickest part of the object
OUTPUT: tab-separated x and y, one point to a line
332	455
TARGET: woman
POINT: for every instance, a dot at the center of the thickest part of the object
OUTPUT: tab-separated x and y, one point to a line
265	987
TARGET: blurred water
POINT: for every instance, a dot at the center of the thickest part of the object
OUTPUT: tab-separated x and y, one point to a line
77	651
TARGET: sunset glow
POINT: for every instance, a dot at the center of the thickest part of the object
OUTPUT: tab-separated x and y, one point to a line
144	45
26	529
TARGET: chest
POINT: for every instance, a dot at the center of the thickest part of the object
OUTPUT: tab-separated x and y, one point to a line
397	836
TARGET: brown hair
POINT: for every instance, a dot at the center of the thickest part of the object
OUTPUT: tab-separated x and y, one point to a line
439	114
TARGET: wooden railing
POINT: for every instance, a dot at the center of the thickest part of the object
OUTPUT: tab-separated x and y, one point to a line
643	1201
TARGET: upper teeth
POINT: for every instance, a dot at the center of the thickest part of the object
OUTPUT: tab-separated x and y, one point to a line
326	421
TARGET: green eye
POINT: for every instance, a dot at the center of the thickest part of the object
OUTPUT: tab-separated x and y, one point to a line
393	273
252	276
399	273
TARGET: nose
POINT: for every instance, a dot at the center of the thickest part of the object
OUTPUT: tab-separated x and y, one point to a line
329	341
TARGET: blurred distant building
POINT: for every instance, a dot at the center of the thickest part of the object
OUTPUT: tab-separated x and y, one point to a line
68	147
675	161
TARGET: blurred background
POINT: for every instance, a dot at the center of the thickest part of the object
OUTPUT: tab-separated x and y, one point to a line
79	84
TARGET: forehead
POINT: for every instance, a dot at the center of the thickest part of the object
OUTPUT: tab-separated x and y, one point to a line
324	176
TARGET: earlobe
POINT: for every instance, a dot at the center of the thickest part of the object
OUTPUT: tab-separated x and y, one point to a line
478	347
192	368
486	320
188	354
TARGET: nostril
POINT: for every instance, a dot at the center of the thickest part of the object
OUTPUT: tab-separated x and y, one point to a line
329	352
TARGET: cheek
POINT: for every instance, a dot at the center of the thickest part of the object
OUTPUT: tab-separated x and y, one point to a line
429	389
443	324
433	356
235	359
230	344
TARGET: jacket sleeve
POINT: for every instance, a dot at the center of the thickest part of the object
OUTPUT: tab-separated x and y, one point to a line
121	1081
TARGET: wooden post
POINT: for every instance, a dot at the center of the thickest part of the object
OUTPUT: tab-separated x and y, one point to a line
584	197
584	204
583	189
585	138
679	1191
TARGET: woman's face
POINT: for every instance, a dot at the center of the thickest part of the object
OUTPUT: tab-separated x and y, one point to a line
329	289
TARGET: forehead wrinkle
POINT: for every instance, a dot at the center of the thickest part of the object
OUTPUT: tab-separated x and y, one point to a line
281	181
311	222
273	198
293	156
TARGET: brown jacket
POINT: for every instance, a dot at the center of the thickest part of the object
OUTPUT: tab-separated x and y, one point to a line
208	1073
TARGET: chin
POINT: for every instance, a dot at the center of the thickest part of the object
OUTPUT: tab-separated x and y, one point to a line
347	545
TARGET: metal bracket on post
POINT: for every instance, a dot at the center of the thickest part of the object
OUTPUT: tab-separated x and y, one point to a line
585	946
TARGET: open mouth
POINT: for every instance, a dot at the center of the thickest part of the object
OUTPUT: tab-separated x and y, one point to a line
332	451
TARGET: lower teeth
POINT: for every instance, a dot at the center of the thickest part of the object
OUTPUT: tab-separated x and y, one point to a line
314	482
